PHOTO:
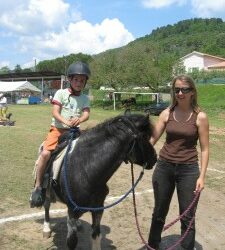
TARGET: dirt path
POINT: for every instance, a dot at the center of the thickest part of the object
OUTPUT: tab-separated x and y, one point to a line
118	225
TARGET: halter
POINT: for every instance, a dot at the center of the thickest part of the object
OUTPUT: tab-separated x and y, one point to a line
72	203
136	135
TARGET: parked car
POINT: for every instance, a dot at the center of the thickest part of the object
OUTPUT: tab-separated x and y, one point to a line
156	108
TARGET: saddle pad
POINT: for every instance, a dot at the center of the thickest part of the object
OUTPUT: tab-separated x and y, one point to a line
57	163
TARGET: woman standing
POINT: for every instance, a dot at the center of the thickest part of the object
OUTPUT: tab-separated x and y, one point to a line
177	166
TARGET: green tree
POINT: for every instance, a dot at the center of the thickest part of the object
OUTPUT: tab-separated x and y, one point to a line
179	68
4	70
17	69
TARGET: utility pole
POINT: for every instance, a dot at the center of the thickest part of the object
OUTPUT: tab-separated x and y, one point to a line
35	64
65	66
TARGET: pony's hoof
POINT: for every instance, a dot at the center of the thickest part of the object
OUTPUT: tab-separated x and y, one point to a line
72	242
47	235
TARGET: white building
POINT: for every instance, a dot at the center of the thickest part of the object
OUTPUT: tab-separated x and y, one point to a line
201	61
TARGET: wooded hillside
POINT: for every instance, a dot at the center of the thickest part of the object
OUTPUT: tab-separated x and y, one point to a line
148	60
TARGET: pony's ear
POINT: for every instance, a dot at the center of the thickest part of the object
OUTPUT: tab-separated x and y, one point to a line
127	112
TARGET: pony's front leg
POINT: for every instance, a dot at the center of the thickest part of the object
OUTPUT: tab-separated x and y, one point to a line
46	226
72	225
96	234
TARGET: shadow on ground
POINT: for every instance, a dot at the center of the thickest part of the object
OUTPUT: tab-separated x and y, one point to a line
171	240
59	232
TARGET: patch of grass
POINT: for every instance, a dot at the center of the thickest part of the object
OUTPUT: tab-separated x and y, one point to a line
212	96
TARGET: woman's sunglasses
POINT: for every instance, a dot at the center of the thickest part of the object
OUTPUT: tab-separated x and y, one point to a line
183	90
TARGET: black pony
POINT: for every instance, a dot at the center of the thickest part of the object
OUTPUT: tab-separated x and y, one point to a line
97	155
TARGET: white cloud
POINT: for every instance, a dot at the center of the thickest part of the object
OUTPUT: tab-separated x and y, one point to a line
80	37
4	64
47	29
30	64
208	8
35	16
161	3
201	8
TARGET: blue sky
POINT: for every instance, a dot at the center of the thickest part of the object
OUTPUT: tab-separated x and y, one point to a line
44	29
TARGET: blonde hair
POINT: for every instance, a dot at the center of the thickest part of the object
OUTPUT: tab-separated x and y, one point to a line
188	80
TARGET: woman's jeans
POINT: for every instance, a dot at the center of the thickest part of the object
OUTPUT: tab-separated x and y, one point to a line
165	178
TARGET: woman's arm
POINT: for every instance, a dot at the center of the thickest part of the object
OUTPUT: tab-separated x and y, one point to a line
203	132
160	126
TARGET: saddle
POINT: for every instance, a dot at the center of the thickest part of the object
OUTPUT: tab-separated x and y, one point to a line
57	156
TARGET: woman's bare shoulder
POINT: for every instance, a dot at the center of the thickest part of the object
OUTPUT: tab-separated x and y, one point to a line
164	116
202	118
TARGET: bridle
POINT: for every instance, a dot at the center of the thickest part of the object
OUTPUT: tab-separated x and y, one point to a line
136	136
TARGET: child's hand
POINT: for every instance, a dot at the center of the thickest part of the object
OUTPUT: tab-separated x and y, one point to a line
68	123
75	121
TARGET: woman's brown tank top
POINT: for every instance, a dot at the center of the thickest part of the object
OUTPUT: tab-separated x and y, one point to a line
181	140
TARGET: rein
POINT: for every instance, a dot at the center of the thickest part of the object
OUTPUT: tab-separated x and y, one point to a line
196	197
73	204
135	134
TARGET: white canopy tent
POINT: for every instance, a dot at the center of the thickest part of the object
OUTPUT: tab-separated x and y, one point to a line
18	86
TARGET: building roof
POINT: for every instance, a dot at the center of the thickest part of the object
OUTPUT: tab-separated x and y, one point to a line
24	76
217	66
203	55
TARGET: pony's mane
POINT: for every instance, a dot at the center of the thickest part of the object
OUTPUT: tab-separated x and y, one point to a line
100	129
110	126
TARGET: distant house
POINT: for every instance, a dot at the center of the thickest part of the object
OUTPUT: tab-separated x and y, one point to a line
200	61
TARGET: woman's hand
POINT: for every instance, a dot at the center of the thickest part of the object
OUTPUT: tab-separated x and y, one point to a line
199	184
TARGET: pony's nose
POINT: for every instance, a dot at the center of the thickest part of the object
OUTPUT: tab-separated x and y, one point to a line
152	162
149	165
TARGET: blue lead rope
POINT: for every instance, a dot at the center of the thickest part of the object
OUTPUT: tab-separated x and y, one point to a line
72	204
